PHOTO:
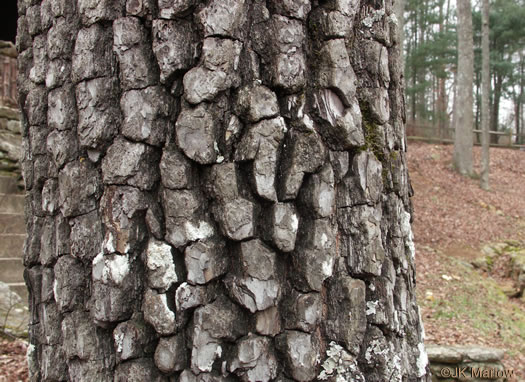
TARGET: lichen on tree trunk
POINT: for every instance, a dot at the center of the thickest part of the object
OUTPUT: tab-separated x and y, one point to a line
217	190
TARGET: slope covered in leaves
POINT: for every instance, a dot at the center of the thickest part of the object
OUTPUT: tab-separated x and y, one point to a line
453	220
453	210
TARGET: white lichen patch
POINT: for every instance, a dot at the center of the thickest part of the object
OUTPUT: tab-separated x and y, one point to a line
383	354
55	289
30	351
393	19
394	368
220	158
108	268
32	360
202	231
374	349
375	16
324	240
326	199
328	267
406	231
422	360
423	335
284	129
158	255
308	122
119	341
234	127
159	261
109	243
341	365
295	223
371	307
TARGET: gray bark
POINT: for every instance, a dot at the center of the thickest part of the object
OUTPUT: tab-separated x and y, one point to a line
464	120
485	97
217	191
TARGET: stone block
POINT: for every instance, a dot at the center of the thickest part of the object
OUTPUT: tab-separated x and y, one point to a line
133	339
132	46
176	171
69	283
130	163
171	354
223	18
92	55
157	313
98	112
146	114
346	316
301	352
79	187
205	261
196	133
254	359
255	284
173	44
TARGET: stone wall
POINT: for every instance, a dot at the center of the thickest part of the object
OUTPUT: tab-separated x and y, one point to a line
8	74
10	141
10	127
13	292
511	256
472	363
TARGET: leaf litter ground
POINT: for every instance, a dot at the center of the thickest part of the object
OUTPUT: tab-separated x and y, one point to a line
453	220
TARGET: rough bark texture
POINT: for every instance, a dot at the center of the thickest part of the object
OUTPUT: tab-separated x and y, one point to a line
217	191
463	141
485	96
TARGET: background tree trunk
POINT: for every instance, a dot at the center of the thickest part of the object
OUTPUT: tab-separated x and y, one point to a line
485	94
217	191
519	106
494	118
464	121
399	11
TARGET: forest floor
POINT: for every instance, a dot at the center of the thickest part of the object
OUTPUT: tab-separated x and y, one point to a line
13	366
453	221
455	225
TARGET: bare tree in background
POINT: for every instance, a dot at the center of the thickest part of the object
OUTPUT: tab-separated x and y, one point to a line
217	191
399	11
485	95
463	141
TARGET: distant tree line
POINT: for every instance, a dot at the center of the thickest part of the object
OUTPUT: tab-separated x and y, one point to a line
430	47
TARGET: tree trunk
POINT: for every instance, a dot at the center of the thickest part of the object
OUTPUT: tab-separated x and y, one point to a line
464	120
485	83
415	68
217	191
519	109
399	11
477	103
517	117
494	118
454	100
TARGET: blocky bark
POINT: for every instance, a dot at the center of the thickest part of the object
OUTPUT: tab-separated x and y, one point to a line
217	191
